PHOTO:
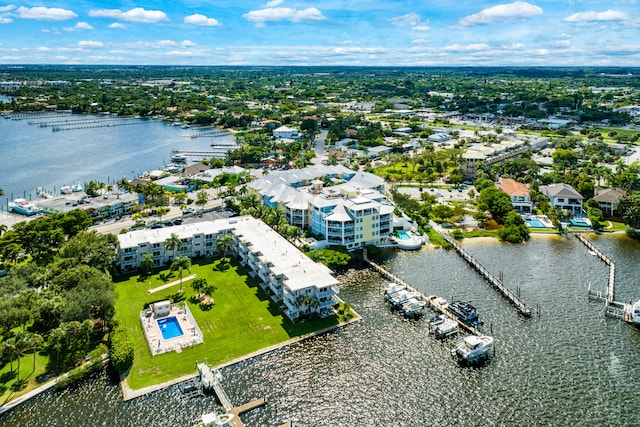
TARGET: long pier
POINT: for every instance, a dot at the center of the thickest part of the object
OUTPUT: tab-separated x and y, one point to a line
210	134
220	152
95	126
515	300
433	302
612	308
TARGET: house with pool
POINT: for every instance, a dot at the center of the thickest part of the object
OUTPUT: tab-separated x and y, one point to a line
299	285
565	197
518	194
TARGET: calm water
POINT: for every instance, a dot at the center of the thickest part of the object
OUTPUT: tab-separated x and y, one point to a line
570	366
35	156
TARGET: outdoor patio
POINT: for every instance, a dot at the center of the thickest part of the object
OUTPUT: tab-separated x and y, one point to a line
187	335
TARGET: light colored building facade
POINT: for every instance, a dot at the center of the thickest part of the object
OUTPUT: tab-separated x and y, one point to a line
518	194
351	212
286	132
485	157
563	196
299	285
608	198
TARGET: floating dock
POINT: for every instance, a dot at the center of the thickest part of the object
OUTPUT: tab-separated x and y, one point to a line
612	308
515	300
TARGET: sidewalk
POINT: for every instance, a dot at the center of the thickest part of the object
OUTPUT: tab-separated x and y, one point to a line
168	285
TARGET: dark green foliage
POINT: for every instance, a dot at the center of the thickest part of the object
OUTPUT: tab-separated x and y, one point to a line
121	350
515	229
495	201
334	257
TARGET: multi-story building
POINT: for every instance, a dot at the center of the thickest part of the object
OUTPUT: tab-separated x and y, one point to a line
485	157
608	199
345	207
563	196
299	285
518	194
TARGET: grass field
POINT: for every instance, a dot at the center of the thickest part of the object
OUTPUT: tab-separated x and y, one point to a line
27	375
242	320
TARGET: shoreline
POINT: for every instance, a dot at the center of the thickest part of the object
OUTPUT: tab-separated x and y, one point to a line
130	394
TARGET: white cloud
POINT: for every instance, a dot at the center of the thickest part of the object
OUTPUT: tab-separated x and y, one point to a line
284	14
201	20
90	44
42	49
502	13
474	47
561	43
4	20
513	46
116	26
589	17
273	3
45	13
7	8
83	26
137	14
185	53
408	20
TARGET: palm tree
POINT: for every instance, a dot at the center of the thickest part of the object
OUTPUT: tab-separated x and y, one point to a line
201	199
57	337
147	263
224	245
11	351
33	342
3	229
173	243
87	327
181	263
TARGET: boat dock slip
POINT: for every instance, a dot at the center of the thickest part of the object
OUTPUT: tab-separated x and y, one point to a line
524	309
434	303
610	297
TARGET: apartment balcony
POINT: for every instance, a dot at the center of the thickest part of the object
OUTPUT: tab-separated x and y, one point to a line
329	302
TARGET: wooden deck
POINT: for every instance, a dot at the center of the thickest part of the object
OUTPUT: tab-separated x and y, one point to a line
515	300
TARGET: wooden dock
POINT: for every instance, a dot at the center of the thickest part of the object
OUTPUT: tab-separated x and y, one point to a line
433	303
612	308
213	380
515	300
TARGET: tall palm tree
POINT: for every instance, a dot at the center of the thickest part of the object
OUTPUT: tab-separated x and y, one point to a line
33	343
181	263
87	328
3	229
201	199
224	245
173	243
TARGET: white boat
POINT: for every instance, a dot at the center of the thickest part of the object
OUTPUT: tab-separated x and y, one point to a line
178	157
446	328
392	289
66	189
76	188
23	207
413	307
635	313
216	420
474	349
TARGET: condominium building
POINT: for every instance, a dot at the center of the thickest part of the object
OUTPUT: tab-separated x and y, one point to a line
345	207
299	285
486	156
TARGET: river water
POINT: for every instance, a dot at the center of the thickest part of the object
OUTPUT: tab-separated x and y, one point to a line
35	156
569	366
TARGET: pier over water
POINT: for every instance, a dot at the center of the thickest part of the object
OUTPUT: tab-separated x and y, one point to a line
515	300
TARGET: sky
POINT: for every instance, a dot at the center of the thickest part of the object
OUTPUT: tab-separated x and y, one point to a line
328	32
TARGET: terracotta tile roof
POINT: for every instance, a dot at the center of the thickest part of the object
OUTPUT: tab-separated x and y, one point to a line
512	187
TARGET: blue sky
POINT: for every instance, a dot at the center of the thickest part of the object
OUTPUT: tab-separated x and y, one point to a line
330	32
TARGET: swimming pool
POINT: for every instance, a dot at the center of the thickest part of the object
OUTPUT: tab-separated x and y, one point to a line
403	235
169	328
532	222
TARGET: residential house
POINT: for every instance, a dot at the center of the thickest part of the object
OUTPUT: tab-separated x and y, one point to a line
518	194
285	132
564	196
607	199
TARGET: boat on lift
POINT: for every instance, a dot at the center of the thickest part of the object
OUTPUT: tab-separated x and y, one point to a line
474	349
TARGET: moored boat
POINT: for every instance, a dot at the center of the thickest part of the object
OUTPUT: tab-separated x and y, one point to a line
635	313
23	207
446	328
474	349
66	189
465	312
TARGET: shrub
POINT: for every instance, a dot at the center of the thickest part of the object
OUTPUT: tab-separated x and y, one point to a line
122	350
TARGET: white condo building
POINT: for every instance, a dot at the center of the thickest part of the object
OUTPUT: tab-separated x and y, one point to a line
299	285
347	208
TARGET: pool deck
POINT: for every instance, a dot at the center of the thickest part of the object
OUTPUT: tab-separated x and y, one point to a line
191	334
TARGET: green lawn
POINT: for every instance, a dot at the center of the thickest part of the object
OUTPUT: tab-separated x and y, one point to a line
27	374
242	321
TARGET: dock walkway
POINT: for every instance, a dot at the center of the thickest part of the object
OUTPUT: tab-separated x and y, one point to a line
523	308
612	308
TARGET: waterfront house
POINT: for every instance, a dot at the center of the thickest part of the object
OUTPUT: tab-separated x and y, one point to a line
518	194
563	196
607	199
299	285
